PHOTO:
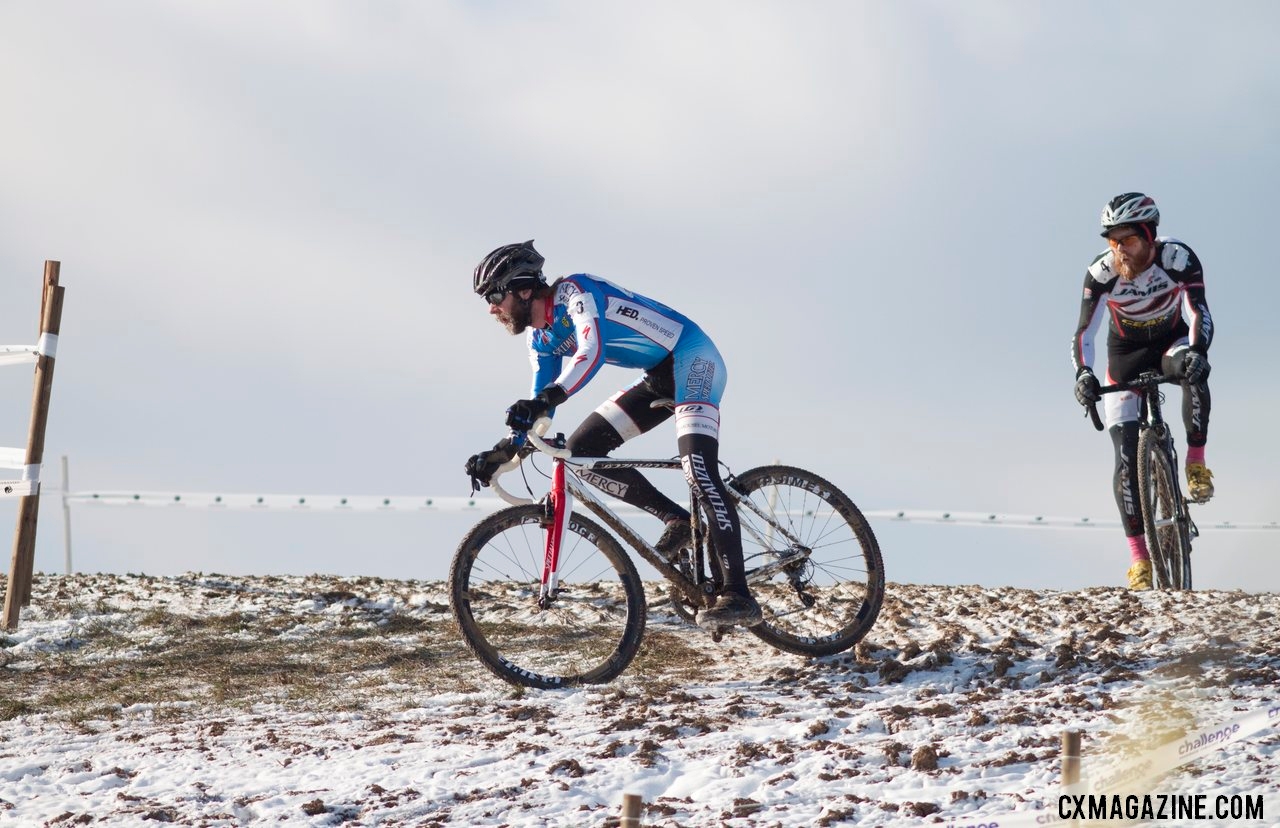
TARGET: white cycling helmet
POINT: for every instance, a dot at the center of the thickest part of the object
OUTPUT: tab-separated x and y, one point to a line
1130	208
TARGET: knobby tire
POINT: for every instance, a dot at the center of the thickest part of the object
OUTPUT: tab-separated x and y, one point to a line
588	634
828	593
1168	533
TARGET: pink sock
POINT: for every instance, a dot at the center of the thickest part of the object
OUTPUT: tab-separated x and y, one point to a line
1138	549
1195	454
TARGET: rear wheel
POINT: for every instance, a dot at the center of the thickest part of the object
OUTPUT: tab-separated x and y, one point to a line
587	632
1164	515
812	561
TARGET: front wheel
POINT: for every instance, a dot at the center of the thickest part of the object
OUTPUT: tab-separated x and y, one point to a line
812	561
586	632
1164	514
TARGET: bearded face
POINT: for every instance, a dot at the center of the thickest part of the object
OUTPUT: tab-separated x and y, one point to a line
1132	251
514	313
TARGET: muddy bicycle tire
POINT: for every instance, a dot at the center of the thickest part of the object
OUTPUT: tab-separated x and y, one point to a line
1166	527
588	634
829	598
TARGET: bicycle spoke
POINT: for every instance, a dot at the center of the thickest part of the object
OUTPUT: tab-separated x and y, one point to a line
587	631
813	562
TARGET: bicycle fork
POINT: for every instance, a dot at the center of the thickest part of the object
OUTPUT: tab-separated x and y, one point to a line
559	506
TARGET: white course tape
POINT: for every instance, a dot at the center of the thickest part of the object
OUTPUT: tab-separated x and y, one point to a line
292	502
48	345
991	519
433	503
1138	773
17	354
18	488
298	502
1036	521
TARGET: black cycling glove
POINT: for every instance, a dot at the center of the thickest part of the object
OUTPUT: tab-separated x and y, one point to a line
1087	389
480	467
522	414
1195	367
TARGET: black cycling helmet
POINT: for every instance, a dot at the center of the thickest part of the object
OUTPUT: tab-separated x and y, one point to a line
1131	208
510	267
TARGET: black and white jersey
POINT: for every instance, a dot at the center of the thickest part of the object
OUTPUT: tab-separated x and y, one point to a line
1164	302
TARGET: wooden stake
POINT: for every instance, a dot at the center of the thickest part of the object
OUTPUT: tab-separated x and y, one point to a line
631	804
1070	757
18	593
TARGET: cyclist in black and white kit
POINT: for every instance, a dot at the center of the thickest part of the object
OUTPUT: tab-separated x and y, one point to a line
1151	290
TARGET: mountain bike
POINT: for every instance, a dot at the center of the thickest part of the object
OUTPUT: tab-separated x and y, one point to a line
1165	516
545	597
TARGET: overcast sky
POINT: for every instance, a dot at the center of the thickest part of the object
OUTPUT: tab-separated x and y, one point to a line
267	216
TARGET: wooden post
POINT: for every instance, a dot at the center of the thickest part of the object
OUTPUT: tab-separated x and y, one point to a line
1070	763
1070	757
631	804
18	593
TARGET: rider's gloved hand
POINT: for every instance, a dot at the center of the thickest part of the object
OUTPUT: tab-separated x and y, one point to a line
480	467
522	414
1088	391
1195	367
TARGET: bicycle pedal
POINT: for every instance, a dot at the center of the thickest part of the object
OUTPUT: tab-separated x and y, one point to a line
716	631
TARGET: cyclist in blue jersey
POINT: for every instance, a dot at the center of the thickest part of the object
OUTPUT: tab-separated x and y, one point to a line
578	324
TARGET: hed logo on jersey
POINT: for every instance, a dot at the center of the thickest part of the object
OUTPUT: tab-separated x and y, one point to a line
1088	293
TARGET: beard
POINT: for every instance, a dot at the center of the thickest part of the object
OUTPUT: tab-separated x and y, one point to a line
1124	267
519	320
1128	266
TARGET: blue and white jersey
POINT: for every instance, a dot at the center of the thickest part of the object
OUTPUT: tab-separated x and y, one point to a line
591	321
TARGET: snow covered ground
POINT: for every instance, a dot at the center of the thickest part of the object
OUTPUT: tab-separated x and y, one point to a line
219	701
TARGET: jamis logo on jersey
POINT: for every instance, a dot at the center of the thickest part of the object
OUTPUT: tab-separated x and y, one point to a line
1130	290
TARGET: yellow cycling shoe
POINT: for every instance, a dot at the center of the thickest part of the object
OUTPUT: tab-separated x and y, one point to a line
1140	575
1199	482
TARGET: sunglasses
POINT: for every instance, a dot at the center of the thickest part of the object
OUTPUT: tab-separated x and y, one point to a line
495	297
1125	241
